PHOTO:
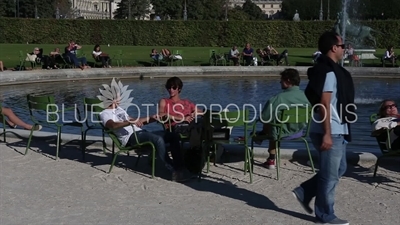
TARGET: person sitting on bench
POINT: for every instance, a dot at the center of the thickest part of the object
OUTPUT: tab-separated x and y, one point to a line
102	57
273	54
390	56
234	55
155	55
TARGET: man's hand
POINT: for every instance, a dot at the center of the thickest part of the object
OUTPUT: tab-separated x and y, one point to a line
326	142
189	119
136	122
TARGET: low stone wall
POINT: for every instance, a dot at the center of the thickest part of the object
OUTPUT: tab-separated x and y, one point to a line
17	77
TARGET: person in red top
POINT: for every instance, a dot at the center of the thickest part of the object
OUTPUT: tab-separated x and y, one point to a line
178	110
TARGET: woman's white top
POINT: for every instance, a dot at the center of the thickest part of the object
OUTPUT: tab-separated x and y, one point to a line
96	53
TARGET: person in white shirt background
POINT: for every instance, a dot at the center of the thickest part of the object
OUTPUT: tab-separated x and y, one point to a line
101	56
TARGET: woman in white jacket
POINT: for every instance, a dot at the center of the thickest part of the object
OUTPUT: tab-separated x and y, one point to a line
389	118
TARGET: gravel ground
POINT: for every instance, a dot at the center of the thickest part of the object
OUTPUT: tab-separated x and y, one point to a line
36	189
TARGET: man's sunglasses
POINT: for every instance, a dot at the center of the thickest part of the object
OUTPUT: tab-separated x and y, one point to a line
342	46
390	106
172	87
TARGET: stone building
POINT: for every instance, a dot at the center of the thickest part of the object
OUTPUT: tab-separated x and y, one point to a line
94	9
269	7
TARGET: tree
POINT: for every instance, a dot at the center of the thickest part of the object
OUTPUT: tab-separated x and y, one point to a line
237	13
128	9
168	8
7	8
64	8
28	8
254	12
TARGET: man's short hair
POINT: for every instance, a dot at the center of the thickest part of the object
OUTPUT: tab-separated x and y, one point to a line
174	82
291	75
327	40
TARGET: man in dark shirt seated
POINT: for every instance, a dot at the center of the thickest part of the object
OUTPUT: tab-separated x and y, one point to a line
70	51
248	55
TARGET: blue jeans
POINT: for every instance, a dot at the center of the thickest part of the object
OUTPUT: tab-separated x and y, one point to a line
332	165
159	140
75	60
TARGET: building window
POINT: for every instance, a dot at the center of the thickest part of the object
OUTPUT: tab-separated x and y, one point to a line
280	6
272	6
263	5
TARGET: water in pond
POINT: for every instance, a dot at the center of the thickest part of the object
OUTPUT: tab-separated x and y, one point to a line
207	91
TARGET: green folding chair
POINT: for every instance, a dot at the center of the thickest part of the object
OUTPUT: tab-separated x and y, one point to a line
139	149
384	144
176	61
21	60
3	118
288	116
47	105
118	58
92	110
222	120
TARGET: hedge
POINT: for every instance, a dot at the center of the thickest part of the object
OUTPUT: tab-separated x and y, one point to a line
181	33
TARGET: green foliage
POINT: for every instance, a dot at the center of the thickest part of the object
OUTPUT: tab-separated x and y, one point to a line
129	9
357	9
45	8
254	12
181	33
168	8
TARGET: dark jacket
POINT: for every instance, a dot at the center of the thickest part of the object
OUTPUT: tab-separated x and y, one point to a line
345	88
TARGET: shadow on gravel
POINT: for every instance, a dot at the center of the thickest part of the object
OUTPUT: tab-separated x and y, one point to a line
227	189
46	146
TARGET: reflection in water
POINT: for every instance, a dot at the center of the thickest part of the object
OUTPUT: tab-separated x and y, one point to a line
223	91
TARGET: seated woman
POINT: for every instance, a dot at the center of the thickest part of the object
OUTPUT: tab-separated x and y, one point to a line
39	55
155	55
102	57
390	56
13	120
178	110
389	118
1	66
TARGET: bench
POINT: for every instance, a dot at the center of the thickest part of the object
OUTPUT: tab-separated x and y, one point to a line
365	54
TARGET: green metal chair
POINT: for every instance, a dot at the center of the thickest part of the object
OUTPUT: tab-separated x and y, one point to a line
217	58
3	118
118	58
384	144
140	149
47	105
176	61
288	116
168	126
220	120
21	60
92	110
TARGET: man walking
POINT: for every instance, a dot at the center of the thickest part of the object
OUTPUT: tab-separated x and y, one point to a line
331	90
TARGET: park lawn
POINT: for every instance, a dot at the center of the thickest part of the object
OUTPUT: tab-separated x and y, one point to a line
140	55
